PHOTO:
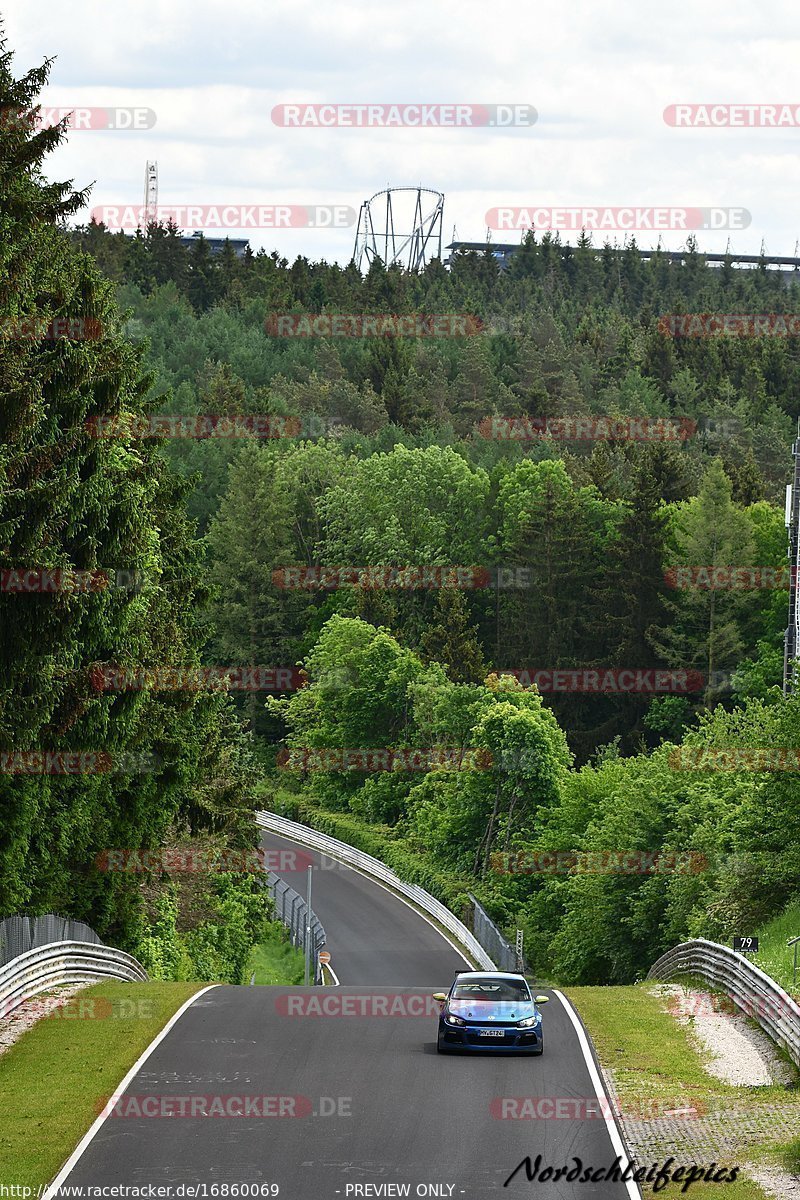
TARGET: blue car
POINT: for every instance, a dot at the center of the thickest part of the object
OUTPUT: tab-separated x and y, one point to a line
490	1011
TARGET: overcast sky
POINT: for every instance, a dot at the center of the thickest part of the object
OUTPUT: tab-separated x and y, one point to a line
599	76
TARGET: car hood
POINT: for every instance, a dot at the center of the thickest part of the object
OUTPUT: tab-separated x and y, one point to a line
492	1010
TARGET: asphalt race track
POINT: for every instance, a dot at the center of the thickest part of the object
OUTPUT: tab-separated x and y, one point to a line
347	1095
373	937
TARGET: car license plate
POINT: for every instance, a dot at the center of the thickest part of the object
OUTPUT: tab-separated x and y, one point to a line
492	1033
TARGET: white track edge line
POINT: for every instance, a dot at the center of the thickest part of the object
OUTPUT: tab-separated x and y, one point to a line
377	883
611	1125
327	967
94	1129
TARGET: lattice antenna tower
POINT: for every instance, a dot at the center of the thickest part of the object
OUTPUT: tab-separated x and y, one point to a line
791	648
150	205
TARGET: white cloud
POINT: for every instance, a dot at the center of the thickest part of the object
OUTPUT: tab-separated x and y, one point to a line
600	78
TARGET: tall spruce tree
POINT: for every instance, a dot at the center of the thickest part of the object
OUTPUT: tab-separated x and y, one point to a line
704	619
451	640
74	502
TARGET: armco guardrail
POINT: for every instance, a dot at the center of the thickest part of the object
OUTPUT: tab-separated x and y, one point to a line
490	937
291	909
750	988
21	933
378	870
60	963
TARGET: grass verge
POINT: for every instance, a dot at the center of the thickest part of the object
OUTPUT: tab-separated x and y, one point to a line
656	1067
276	961
54	1079
774	956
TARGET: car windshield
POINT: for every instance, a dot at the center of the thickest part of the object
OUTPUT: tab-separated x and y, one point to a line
492	989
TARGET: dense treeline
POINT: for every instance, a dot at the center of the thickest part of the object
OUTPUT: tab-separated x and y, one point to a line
569	331
404	423
603	868
387	463
593	564
125	769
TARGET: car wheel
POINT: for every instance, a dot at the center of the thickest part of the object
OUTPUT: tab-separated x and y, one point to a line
440	1046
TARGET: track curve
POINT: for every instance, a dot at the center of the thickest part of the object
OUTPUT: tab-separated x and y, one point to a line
358	1103
373	935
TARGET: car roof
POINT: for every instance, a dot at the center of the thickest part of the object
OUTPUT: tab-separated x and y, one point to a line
467	975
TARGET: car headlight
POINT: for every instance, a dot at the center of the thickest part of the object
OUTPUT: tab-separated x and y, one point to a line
451	1020
526	1024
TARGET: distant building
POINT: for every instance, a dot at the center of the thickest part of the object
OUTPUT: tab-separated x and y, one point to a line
216	245
503	252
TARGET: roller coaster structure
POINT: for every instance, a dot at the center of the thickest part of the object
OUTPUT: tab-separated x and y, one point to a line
383	228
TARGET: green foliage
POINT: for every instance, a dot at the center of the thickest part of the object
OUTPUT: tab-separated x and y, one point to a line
705	627
276	962
71	501
216	949
401	472
643	852
668	717
450	640
394	468
159	949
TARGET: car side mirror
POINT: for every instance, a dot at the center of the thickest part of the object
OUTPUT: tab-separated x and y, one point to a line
542	999
440	996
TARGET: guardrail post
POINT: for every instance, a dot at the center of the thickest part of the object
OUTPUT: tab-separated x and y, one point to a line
793	942
307	930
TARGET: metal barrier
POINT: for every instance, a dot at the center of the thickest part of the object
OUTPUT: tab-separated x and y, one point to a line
19	934
491	938
378	870
45	967
291	909
750	988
